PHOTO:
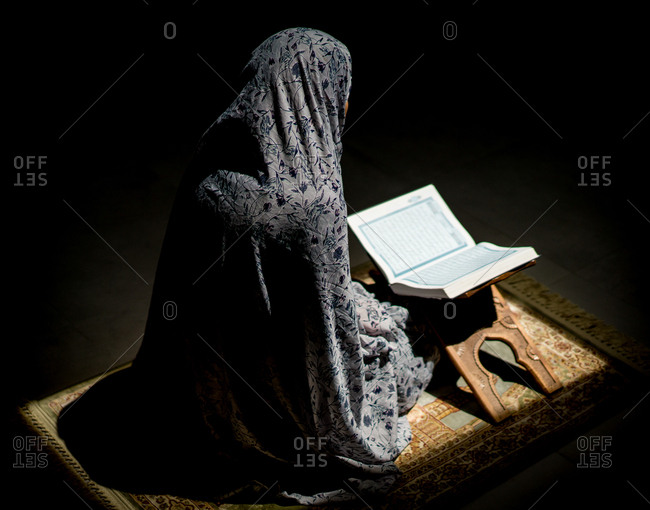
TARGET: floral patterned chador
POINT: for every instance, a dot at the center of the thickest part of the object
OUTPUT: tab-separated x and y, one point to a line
302	376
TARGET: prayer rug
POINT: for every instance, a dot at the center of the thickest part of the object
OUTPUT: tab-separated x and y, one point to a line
455	448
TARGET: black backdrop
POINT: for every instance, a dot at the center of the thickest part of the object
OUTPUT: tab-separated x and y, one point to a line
583	67
102	92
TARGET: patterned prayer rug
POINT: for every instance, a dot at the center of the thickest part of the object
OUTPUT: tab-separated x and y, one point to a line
455	447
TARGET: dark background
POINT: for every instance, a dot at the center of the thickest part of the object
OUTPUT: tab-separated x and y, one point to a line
497	115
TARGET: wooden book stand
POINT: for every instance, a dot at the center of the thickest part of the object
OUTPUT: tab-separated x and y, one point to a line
464	355
479	315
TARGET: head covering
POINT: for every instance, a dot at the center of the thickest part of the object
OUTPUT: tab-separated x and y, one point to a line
294	102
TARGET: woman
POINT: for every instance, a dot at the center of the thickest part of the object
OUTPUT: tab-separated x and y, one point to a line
303	378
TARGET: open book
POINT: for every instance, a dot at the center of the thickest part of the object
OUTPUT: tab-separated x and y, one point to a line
423	250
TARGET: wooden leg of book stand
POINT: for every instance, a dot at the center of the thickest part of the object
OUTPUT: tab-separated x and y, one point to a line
465	357
510	331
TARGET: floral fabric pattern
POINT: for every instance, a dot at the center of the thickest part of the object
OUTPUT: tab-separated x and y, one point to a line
286	225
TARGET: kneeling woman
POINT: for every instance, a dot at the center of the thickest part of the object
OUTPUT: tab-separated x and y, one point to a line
302	378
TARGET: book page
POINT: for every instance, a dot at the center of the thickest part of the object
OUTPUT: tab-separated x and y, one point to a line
409	231
483	256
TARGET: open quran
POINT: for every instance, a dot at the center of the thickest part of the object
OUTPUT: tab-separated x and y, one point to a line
423	250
